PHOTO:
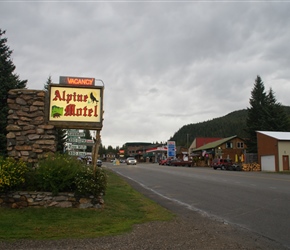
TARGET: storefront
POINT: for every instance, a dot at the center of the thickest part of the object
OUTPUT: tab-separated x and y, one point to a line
155	154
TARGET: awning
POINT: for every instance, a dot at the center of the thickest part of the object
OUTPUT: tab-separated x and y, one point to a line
150	154
157	149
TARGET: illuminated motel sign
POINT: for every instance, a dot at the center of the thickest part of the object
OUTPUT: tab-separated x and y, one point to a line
76	103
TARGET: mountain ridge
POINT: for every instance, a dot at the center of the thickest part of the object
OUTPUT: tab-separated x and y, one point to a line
233	123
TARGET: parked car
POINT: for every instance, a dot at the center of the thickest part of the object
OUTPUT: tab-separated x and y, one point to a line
221	163
225	164
79	158
99	163
164	161
178	162
89	159
131	161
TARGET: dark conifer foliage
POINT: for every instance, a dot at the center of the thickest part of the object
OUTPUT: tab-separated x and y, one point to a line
231	124
256	114
89	137
8	80
61	139
48	82
276	116
59	132
264	114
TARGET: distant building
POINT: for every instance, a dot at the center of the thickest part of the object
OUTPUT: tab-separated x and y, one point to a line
273	150
201	141
230	148
136	149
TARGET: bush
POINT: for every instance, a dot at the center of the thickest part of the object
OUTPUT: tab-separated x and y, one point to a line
12	174
57	173
63	173
91	181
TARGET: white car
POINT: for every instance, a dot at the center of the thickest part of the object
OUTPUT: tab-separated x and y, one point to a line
131	161
99	163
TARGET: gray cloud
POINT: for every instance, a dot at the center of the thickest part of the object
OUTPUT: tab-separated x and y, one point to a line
164	64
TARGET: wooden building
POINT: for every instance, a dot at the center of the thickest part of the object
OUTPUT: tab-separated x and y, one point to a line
273	150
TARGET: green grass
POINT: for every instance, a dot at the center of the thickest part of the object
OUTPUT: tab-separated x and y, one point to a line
123	208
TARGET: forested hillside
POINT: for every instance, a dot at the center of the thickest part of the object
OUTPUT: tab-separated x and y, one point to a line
231	124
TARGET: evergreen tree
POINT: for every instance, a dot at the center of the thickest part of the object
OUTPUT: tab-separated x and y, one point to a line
8	80
49	81
276	116
59	132
102	150
61	139
110	149
89	137
265	114
256	114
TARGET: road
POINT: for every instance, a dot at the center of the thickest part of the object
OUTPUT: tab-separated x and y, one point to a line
256	201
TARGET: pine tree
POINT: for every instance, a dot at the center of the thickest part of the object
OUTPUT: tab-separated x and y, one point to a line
256	114
265	114
89	137
61	139
60	133
48	82
276	117
8	80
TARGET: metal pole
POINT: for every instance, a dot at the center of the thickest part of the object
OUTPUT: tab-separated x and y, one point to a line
98	139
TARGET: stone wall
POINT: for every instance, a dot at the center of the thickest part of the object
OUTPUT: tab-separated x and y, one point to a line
29	137
46	199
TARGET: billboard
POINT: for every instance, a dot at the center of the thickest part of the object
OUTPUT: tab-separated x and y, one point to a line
75	107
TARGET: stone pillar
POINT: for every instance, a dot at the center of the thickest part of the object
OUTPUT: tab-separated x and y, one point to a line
29	136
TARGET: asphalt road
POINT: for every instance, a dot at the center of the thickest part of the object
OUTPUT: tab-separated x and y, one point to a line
256	201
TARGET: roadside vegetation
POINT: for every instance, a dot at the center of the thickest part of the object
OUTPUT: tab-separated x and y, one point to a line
124	207
56	173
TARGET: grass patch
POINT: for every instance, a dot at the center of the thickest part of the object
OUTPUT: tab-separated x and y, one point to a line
124	207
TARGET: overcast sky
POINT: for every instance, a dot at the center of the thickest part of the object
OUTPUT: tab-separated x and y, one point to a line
165	64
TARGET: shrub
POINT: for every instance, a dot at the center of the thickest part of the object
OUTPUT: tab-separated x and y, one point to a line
30	179
12	174
57	173
91	181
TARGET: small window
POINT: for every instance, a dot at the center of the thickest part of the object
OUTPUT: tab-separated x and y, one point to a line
229	145
240	145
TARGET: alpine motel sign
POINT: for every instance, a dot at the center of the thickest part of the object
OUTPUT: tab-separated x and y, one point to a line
76	103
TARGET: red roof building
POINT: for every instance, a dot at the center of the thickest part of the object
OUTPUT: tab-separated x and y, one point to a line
201	141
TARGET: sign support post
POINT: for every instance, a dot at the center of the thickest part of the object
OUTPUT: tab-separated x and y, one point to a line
96	150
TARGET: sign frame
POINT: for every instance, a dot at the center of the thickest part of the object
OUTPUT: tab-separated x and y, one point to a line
75	124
